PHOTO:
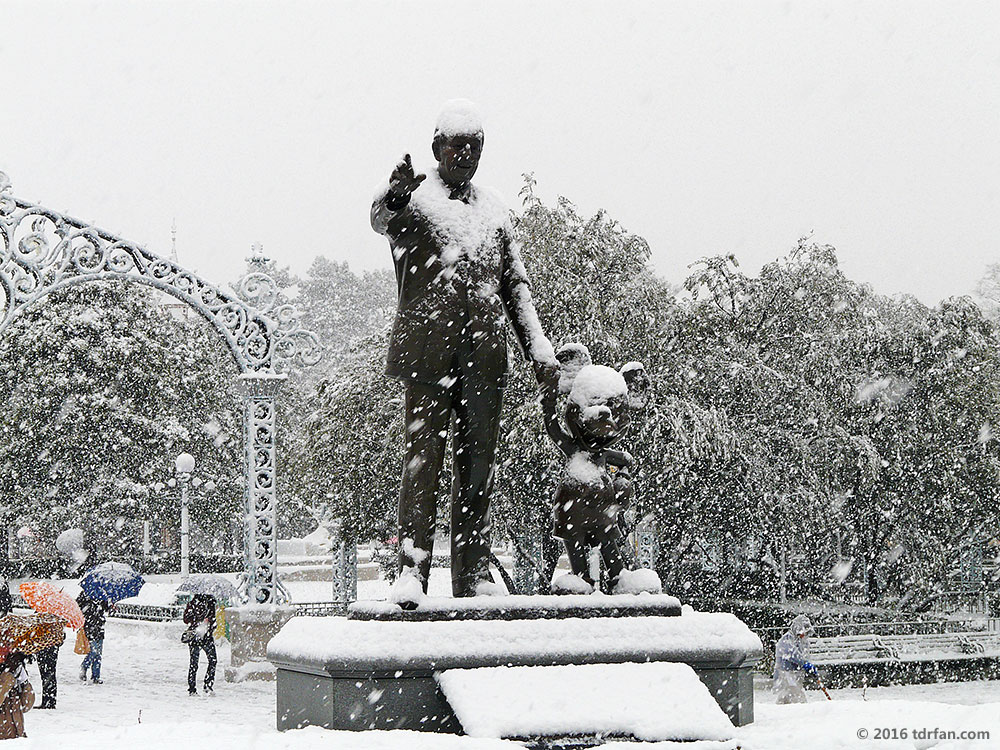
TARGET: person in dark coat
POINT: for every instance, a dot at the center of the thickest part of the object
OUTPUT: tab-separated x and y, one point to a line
47	659
458	274
95	614
6	602
199	616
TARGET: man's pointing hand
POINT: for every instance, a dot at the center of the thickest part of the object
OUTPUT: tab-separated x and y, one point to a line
403	181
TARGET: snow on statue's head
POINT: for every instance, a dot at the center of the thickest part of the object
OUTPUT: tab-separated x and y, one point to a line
459	117
600	398
458	142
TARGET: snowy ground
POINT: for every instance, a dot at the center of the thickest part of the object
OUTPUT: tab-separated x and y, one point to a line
144	705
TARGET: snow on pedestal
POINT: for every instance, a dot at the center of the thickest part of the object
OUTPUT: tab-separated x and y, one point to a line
570	583
332	642
520	606
363	674
638	582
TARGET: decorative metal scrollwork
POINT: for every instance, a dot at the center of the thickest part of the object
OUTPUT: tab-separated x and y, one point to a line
261	548
292	344
43	250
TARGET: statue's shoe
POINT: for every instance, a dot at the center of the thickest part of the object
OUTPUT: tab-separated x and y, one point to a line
570	583
407	590
642	581
489	588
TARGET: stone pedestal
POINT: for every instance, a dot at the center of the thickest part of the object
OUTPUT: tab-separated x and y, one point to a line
519	607
384	674
251	628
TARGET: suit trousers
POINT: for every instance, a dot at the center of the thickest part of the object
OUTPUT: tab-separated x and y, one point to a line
473	407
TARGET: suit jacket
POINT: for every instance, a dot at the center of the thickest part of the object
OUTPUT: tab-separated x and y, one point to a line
458	274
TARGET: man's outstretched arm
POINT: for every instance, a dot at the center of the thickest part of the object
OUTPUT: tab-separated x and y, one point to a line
515	293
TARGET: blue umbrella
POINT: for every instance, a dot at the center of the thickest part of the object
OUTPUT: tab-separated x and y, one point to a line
111	582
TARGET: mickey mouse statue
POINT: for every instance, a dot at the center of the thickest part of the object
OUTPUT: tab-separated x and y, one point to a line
597	484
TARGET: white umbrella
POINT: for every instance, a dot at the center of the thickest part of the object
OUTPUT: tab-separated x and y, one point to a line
206	583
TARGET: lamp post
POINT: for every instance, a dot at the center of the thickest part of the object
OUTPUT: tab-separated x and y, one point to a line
184	464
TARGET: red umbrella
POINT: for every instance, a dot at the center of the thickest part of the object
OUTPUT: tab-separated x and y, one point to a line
44	597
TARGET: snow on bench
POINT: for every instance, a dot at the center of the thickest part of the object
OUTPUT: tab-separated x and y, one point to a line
919	647
583	700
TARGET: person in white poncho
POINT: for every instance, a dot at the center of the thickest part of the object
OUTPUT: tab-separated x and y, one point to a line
791	662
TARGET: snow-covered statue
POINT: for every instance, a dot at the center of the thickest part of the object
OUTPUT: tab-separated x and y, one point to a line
458	274
597	484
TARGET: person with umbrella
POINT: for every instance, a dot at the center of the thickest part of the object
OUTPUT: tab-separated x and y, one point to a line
44	597
199	616
21	636
95	613
213	585
16	695
101	587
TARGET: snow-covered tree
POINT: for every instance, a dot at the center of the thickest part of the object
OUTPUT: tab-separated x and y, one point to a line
987	291
101	388
344	307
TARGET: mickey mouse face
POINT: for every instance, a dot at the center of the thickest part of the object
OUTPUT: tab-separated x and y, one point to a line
598	407
600	399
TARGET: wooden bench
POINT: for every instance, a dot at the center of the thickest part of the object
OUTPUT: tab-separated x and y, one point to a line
860	660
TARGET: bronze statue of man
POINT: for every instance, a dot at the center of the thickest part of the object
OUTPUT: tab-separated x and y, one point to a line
458	274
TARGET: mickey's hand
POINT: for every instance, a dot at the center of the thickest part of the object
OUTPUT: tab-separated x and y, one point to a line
403	181
547	375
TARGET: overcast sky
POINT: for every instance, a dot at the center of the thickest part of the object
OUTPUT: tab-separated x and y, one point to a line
705	127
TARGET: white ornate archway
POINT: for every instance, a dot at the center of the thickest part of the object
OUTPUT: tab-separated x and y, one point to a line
42	250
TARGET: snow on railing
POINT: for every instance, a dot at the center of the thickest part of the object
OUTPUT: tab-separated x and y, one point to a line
172	612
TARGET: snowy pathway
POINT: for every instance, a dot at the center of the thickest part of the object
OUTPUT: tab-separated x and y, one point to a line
145	681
